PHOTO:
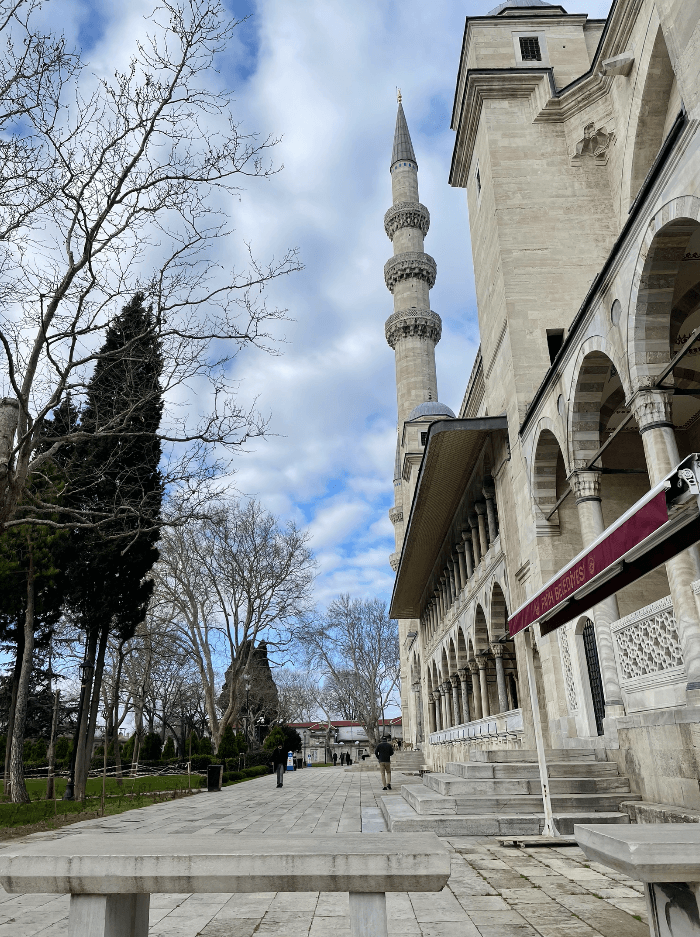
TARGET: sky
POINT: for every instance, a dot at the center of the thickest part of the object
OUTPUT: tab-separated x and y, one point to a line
322	76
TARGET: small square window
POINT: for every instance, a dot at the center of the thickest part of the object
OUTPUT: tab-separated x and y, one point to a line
530	49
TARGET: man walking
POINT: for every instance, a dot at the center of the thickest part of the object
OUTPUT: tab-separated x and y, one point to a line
384	751
279	762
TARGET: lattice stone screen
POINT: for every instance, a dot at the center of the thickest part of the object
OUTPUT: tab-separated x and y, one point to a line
647	641
568	670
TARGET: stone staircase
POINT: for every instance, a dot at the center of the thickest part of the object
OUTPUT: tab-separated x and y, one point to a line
499	793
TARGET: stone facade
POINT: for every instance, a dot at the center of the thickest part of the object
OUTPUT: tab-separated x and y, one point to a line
578	144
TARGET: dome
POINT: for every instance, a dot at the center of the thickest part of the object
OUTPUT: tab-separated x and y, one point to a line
509	4
430	408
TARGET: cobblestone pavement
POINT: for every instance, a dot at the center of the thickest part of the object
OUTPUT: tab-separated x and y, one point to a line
492	892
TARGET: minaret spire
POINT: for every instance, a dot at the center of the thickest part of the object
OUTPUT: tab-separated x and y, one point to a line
412	329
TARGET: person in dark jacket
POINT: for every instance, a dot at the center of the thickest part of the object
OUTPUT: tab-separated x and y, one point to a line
384	751
335	759
279	762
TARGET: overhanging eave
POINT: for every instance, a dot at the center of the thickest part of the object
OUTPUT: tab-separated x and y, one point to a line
450	454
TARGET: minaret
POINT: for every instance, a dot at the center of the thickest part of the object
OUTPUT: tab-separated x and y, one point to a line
413	329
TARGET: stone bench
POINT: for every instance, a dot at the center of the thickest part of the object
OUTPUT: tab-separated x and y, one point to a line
111	876
665	857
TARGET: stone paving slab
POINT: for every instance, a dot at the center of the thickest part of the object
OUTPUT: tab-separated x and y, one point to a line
493	891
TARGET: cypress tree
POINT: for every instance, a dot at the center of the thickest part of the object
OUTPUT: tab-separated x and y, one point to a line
117	482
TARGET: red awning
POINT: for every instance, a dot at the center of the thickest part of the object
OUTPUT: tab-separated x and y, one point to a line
639	541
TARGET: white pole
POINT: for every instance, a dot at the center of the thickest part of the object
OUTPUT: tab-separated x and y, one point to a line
549	828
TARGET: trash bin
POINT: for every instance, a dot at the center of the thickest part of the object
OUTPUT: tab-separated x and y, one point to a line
215	777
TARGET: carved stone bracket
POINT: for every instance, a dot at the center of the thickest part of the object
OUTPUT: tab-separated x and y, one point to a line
395	515
594	145
406	215
407	323
407	266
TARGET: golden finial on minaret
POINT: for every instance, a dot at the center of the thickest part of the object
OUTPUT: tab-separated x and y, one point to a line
398	95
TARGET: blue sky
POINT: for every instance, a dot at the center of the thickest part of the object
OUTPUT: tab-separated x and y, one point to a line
322	75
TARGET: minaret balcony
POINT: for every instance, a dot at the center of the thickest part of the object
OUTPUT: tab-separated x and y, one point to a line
406	215
411	265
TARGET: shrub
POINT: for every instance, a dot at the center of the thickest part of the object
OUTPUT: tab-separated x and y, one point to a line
205	747
289	739
64	746
169	750
151	747
232	743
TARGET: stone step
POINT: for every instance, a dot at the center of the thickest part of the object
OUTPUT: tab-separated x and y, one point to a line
520	755
401	818
451	786
557	769
425	800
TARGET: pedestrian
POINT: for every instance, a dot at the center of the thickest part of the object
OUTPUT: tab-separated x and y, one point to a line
279	762
335	759
384	751
398	744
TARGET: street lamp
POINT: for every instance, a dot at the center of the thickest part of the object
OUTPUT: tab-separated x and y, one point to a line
246	684
85	670
305	735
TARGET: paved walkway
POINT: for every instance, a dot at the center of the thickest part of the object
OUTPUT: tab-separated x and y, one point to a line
492	892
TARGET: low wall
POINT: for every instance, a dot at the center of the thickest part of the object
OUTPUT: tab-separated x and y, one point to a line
659	751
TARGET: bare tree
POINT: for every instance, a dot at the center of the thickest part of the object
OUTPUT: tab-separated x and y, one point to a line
342	690
298	695
357	639
227	583
117	185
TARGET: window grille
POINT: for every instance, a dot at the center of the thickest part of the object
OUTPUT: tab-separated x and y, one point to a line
594	676
530	49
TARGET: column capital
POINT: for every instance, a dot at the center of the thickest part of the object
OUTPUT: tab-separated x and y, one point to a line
497	649
651	409
472	521
460	548
454	680
463	672
466	534
585	485
488	487
480	507
472	665
481	662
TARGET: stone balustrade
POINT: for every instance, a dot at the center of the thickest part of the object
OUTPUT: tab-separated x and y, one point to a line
500	726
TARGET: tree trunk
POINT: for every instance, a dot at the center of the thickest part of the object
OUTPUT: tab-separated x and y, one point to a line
81	728
50	781
13	705
89	737
115	711
19	793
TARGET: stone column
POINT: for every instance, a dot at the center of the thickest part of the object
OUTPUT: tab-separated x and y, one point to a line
451	585
497	651
457	718
652	411
443	708
432	712
441	601
447	690
465	695
462	565
419	711
480	509
485	708
489	492
467	538
586	489
476	695
474	524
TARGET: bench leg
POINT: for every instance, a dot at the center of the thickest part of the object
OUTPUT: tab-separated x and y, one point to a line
108	915
367	914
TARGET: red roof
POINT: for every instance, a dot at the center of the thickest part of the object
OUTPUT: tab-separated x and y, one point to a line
341	724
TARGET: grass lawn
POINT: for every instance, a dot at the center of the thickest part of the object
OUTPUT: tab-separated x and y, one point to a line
36	787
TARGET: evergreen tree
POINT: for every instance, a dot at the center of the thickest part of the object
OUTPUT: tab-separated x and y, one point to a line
115	476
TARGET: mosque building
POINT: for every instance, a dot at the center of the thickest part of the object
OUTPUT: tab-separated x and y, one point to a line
577	142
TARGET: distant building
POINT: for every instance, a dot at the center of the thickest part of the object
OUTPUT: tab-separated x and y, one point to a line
344	736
